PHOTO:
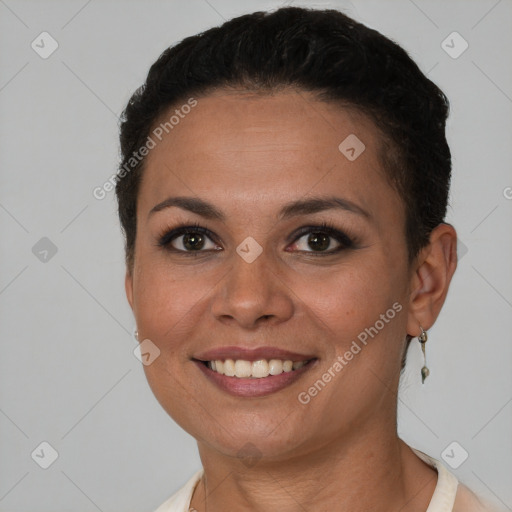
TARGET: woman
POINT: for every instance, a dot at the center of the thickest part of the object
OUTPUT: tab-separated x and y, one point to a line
282	192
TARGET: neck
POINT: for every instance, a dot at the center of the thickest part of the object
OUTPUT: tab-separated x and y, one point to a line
371	472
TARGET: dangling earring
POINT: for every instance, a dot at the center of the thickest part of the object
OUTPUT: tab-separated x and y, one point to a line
422	338
136	334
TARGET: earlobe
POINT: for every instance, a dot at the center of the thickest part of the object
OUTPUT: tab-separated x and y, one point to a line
431	279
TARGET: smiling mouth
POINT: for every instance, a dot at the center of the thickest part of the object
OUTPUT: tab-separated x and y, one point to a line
259	369
253	372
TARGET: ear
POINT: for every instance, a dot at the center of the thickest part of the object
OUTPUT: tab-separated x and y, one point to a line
431	277
128	286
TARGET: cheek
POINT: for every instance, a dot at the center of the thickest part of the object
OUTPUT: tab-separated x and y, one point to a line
350	298
361	311
341	300
166	298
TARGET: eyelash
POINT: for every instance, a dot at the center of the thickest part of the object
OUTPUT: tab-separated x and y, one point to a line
346	242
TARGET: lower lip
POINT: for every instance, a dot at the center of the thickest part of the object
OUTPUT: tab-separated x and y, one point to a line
246	387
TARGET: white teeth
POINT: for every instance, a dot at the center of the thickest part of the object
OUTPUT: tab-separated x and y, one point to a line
257	369
260	369
287	366
229	367
243	369
275	366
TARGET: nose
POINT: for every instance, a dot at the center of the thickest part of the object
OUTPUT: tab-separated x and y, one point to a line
252	294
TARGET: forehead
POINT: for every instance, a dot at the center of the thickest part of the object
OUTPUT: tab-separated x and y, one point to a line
258	149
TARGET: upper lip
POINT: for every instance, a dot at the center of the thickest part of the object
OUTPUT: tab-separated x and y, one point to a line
251	354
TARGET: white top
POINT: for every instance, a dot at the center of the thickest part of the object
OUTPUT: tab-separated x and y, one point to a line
442	500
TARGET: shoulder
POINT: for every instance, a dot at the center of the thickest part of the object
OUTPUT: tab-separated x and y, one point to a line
180	500
467	501
450	495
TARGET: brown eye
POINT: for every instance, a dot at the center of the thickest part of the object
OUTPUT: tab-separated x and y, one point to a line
321	240
316	242
193	241
188	239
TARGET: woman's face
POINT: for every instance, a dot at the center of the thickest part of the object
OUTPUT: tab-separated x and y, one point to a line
267	277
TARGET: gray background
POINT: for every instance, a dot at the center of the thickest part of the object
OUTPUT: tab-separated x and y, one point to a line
68	375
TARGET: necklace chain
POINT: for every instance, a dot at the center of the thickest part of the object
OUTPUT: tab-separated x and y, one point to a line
191	508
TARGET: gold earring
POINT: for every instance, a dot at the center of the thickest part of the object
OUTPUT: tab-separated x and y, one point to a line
136	334
422	338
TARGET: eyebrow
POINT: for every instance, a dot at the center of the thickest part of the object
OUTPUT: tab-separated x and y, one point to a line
292	209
